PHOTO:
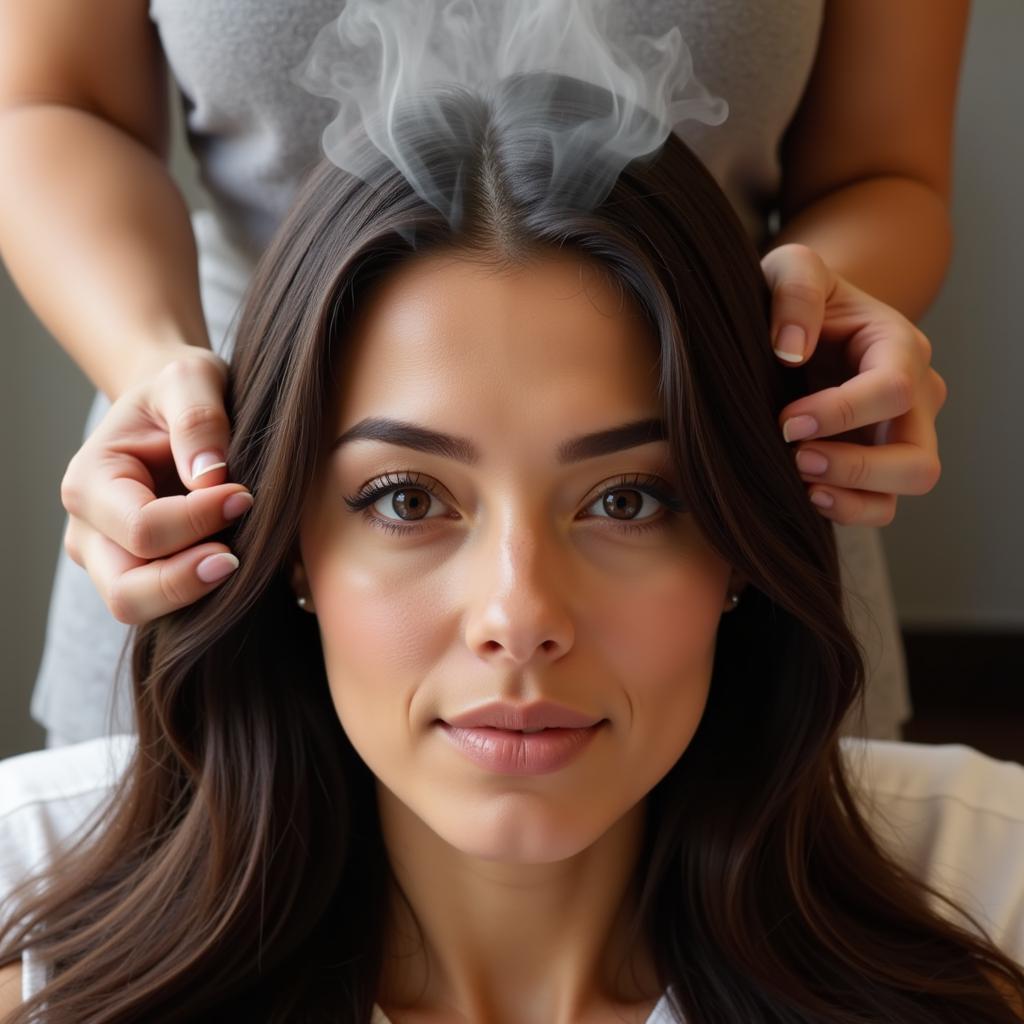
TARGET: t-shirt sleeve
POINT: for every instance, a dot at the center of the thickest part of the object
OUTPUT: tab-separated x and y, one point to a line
956	818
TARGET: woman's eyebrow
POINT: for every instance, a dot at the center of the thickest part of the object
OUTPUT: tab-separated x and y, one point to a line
422	439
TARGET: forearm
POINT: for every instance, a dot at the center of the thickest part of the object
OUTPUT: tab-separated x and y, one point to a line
97	237
889	236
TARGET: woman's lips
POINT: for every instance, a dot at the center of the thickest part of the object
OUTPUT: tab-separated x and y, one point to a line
518	753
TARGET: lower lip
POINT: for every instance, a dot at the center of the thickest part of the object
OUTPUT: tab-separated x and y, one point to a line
516	753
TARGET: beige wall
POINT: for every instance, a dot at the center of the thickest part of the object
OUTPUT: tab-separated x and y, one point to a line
956	556
44	400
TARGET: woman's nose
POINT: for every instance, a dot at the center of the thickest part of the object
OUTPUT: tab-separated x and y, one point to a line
518	608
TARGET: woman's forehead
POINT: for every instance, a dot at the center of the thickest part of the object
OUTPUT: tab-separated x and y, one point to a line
446	330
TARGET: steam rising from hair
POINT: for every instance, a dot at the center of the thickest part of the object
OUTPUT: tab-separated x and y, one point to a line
394	67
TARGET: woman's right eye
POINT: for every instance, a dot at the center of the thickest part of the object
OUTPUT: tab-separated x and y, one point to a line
409	496
411	504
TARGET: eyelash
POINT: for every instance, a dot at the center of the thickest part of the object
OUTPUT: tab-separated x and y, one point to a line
371	492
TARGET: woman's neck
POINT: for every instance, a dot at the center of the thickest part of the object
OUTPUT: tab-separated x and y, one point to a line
515	942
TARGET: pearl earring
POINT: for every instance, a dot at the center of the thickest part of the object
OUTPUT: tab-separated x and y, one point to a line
302	602
734	599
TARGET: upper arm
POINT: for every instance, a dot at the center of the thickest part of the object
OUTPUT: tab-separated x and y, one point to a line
10	988
880	99
101	56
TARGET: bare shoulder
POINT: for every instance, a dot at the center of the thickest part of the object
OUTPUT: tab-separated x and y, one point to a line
10	988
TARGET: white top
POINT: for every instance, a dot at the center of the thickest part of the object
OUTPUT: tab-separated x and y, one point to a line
951	813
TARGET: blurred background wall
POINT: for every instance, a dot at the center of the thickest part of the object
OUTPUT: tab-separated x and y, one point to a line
44	400
956	556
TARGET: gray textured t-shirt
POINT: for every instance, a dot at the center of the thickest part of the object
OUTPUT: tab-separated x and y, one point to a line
254	134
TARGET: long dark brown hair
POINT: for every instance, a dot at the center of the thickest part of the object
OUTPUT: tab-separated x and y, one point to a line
240	873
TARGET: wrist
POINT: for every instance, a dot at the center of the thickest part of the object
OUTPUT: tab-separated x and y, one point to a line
153	353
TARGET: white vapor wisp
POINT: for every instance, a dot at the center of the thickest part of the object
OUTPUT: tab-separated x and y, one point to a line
393	67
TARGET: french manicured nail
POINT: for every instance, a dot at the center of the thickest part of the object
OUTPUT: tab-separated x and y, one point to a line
799	427
216	567
807	461
822	499
206	462
791	343
238	504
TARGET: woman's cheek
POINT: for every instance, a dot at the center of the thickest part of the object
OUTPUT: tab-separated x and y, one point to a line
379	618
660	633
389	615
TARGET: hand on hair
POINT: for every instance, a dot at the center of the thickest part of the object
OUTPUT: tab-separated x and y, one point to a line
875	395
133	526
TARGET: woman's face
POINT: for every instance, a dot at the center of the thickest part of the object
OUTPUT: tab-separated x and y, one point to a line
522	575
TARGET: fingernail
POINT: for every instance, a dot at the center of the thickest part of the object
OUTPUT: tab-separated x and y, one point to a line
216	567
206	462
791	343
807	461
238	504
822	499
799	427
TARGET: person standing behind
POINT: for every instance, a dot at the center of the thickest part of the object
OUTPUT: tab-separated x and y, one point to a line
840	120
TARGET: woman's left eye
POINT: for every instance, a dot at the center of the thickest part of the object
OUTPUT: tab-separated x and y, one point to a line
413	497
628	495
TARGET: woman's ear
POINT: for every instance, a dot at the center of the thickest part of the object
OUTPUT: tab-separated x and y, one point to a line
300	586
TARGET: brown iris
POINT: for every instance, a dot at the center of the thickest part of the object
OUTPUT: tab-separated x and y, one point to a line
414	500
632	504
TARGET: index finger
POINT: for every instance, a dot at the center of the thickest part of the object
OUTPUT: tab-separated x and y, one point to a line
154	527
120	503
871	397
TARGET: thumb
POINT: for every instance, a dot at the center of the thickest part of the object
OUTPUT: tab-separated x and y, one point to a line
189	395
800	284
